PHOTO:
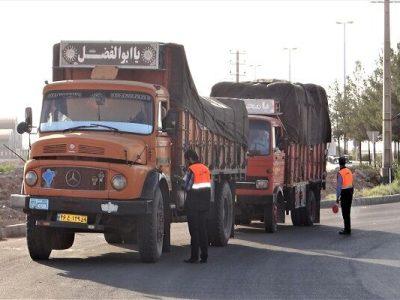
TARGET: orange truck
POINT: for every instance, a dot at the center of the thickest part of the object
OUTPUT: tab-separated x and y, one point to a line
289	129
114	126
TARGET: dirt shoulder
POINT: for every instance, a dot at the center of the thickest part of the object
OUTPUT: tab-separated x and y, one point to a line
10	183
365	177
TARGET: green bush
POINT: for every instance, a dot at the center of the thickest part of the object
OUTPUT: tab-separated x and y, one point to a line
5	168
382	190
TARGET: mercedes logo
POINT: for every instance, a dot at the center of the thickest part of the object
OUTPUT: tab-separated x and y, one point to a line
73	178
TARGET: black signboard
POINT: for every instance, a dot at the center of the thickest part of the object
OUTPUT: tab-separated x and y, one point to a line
134	55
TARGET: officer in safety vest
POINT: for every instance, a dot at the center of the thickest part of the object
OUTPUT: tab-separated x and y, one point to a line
197	184
344	193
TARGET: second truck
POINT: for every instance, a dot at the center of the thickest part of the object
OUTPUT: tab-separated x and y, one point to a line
289	129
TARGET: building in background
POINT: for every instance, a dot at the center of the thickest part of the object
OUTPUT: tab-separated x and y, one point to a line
10	138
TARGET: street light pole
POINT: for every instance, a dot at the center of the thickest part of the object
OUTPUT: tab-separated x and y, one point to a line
387	110
290	61
344	23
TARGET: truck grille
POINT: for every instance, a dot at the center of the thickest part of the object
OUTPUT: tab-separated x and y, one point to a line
83	149
90	150
60	148
74	178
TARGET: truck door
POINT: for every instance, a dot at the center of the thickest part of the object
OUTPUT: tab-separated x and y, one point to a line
278	155
163	145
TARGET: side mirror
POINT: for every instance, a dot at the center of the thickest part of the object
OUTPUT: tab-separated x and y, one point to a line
28	117
23	127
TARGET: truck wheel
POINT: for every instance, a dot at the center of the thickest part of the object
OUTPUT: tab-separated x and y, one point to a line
305	216
220	221
167	224
151	230
295	214
38	239
62	239
112	238
270	217
310	211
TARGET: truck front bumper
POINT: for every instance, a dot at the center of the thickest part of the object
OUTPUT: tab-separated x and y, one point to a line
99	212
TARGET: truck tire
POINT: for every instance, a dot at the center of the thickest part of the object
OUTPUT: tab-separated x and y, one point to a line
151	231
310	211
305	216
271	217
62	239
295	215
112	238
167	228
221	217
38	239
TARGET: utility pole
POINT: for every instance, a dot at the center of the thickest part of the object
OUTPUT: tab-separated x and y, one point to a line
387	105
237	73
386	171
344	23
290	61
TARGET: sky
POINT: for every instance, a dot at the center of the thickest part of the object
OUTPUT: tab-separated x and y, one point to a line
209	30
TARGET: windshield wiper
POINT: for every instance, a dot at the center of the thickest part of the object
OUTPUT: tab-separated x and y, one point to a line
91	126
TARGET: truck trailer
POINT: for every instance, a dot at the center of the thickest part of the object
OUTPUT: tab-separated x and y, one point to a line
114	126
289	129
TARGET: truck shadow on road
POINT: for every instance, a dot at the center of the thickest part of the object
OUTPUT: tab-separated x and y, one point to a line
311	260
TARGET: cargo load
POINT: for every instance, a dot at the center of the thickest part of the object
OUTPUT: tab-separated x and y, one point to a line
304	107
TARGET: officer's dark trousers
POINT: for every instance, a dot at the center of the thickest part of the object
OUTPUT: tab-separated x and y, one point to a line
197	212
198	232
346	198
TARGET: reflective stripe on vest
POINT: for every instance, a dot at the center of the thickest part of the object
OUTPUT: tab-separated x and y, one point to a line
202	176
347	178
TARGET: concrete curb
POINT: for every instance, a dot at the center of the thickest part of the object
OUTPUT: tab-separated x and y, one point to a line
13	231
366	201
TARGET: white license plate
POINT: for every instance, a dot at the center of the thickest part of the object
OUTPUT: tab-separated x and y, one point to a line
37	203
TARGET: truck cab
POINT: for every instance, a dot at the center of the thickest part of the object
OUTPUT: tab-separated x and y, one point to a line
265	166
101	148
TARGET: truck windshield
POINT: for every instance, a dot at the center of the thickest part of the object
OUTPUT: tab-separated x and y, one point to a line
122	110
259	138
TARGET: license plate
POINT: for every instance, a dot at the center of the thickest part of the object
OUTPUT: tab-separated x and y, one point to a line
37	203
72	218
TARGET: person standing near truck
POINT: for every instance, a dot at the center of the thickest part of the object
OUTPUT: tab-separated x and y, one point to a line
344	193
197	184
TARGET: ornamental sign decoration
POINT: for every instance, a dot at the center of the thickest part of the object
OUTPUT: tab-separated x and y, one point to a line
133	55
260	106
73	178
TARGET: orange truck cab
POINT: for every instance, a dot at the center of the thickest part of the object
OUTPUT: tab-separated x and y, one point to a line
265	166
110	152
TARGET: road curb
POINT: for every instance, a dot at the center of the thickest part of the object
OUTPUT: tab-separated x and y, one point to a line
13	231
366	201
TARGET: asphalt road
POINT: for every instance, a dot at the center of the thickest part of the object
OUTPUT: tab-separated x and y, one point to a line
296	263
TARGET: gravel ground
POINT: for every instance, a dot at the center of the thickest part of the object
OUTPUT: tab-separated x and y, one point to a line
10	183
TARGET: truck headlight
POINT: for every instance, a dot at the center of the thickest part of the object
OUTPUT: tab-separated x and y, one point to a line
31	178
262	184
118	182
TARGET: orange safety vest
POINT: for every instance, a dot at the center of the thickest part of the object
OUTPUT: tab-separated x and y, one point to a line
202	176
347	178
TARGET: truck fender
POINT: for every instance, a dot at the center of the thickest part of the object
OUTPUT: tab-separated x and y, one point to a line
153	180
